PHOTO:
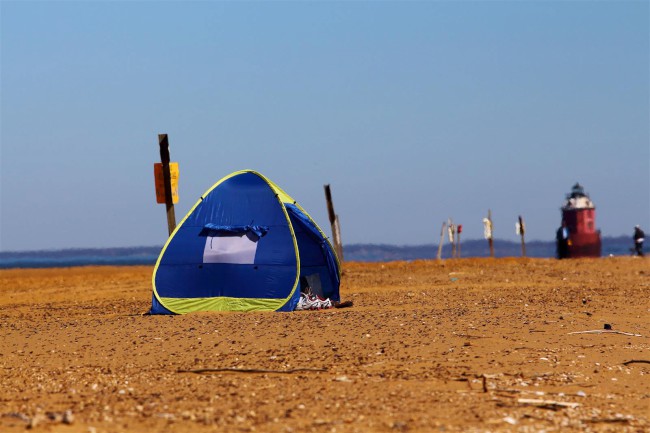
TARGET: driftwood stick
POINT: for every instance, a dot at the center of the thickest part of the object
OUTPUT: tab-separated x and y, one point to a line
636	361
609	420
247	370
605	331
547	403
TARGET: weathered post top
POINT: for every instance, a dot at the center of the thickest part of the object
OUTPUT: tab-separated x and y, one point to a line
163	142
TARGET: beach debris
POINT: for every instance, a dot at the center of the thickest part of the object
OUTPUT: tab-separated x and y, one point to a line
59	417
618	419
606	331
19	415
36	420
607	326
510	420
636	361
68	417
247	370
550	404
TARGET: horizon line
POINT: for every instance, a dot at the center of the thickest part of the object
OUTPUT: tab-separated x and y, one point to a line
531	241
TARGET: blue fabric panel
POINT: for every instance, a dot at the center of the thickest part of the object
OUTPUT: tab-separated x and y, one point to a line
276	248
221	279
185	248
311	252
309	243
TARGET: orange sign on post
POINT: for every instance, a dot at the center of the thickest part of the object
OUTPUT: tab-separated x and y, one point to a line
160	181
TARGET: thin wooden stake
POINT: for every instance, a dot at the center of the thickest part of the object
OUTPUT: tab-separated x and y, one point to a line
334	222
442	239
163	142
522	232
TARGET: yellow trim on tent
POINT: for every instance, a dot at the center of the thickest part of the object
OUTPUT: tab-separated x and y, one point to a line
193	305
283	196
196	302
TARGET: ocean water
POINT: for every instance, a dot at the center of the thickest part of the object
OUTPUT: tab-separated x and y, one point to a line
621	246
40	262
80	257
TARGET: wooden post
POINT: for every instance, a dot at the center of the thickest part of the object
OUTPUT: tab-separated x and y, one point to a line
490	237
442	239
334	222
451	229
163	142
459	230
522	232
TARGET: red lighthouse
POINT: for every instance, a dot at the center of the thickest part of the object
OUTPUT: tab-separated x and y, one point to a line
578	236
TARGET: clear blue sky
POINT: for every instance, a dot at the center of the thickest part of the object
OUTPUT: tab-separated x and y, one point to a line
412	111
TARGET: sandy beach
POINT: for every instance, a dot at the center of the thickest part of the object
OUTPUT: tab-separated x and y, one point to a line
471	345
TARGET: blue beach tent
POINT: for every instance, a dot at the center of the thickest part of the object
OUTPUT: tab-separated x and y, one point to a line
245	246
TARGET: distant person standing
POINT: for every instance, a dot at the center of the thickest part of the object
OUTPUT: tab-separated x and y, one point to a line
639	237
562	240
